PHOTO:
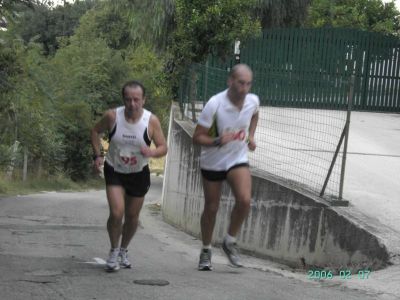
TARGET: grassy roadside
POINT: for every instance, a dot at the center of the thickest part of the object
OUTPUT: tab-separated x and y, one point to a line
62	183
56	183
157	165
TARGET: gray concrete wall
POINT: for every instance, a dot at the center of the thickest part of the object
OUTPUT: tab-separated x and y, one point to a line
284	224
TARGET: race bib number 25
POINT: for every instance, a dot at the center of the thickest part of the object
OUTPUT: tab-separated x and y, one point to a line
129	160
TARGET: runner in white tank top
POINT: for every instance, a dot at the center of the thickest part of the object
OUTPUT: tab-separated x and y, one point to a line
126	140
126	170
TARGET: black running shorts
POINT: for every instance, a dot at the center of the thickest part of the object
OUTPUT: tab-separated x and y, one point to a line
220	175
135	184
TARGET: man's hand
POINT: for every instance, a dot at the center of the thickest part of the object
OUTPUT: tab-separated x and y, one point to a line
146	151
98	163
227	137
251	144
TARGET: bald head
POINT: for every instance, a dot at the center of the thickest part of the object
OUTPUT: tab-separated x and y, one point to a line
240	69
239	82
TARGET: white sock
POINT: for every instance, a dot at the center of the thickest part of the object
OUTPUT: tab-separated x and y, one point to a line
208	247
230	239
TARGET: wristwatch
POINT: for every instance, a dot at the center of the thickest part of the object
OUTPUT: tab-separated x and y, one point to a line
216	142
95	156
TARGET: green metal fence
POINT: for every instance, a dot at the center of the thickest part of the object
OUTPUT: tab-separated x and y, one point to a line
311	68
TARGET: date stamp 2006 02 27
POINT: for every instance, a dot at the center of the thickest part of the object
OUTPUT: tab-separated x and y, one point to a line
342	274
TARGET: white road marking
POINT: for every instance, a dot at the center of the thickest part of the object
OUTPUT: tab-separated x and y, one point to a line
97	261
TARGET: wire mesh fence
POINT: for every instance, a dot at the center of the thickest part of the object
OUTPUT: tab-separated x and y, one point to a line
296	144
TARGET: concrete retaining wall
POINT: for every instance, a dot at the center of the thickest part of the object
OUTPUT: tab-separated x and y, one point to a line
286	225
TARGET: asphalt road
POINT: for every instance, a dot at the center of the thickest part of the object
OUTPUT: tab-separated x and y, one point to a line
53	246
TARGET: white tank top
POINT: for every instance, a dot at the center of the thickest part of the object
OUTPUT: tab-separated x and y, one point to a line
126	139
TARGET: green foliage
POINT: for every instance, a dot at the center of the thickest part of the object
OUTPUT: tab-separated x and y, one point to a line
9	66
104	23
281	13
10	9
145	65
4	186
205	26
75	127
87	76
88	70
5	156
371	15
150	22
46	25
129	23
135	30
29	115
49	102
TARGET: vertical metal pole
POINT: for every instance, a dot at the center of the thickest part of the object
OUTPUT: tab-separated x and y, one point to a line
346	138
328	176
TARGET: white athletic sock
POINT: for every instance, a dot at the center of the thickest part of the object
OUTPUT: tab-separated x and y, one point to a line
230	239
208	247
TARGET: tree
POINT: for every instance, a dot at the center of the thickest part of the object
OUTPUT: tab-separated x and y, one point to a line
9	67
106	23
86	78
46	25
26	111
281	13
370	15
147	66
59	96
205	27
130	22
150	22
9	8
136	29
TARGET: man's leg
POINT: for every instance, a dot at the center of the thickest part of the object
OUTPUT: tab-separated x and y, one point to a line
212	193
115	197
133	206
239	180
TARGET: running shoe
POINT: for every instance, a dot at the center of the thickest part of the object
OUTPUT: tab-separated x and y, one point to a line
232	252
112	261
205	260
123	259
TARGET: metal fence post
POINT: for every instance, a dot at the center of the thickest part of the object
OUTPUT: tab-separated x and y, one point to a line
346	137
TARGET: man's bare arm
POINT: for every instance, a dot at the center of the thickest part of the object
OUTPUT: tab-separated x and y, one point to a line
252	131
201	137
157	136
105	123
